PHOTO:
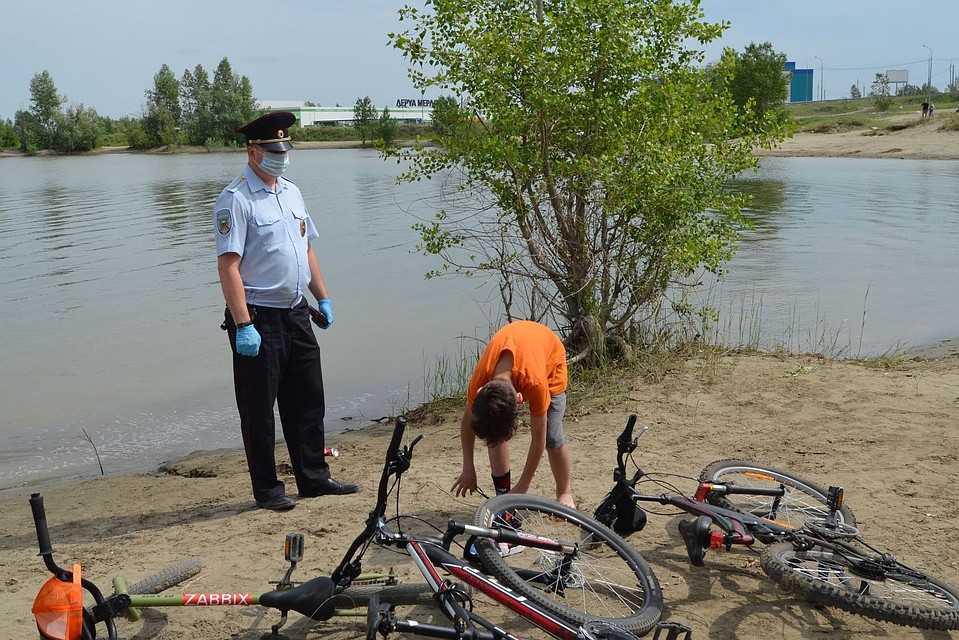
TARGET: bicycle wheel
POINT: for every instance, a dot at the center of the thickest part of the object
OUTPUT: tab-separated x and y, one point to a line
401	594
803	501
872	586
607	579
169	577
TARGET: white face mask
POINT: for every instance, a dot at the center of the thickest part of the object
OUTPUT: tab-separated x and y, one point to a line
274	164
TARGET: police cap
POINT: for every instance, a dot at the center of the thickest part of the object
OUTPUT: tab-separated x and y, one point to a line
270	131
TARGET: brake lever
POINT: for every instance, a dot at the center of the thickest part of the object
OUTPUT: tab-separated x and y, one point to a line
403	457
409	449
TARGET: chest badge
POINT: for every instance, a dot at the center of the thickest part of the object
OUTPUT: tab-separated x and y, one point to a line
302	227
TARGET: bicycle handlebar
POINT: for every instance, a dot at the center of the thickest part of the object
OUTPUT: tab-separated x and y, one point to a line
730	489
40	522
391	463
46	550
397	461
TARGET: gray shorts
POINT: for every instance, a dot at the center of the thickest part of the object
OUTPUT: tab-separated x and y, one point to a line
555	438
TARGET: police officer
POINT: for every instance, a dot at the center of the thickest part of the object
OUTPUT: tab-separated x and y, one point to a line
266	265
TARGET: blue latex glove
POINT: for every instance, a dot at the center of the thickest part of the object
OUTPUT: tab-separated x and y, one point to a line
325	306
248	341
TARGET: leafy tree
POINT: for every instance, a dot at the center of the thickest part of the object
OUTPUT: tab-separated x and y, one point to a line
759	85
910	90
26	128
386	128
880	93
8	134
447	117
36	127
854	92
596	162
364	118
78	129
132	131
231	102
952	91
162	120
196	109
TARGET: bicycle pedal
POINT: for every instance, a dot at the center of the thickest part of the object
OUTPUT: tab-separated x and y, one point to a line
293	547
673	631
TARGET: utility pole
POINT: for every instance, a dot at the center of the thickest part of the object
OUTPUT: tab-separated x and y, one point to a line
822	77
929	81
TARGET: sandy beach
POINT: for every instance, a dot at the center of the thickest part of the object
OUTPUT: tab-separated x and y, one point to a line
887	434
923	142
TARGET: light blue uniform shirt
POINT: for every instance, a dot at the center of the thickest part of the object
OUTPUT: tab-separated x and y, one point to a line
271	232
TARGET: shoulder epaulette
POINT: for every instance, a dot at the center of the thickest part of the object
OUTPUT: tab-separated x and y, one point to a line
236	184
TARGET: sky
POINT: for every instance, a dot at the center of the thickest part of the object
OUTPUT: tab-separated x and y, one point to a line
104	53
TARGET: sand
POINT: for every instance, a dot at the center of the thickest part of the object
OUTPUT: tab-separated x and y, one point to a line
888	435
927	141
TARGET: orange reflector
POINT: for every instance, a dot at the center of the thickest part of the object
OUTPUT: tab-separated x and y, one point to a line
758	476
58	608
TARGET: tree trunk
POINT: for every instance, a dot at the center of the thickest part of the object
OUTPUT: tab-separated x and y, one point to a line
587	342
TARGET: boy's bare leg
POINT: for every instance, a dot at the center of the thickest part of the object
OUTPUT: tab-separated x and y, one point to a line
498	458
559	465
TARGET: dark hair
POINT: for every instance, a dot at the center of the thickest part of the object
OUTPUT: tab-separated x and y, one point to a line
494	412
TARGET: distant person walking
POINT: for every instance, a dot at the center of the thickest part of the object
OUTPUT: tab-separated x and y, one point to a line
925	108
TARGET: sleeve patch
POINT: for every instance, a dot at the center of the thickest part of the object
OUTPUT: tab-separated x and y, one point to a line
224	222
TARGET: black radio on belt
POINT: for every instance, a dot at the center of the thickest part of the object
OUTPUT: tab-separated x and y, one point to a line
318	318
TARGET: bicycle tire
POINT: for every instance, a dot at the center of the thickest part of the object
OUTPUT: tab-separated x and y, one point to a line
169	577
907	599
399	594
804	500
610	581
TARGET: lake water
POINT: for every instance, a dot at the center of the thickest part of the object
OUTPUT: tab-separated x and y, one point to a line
111	304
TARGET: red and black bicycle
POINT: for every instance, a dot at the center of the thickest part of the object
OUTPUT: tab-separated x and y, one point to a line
812	544
552	565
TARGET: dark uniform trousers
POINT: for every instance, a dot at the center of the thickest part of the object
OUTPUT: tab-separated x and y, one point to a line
285	372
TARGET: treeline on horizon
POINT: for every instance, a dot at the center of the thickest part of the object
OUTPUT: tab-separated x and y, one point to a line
190	110
196	110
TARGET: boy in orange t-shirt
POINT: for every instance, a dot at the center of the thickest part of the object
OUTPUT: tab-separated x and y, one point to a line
523	362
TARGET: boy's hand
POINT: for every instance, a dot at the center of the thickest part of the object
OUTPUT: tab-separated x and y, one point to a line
465	484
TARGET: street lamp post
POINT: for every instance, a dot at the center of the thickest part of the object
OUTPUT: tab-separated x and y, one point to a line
822	76
929	80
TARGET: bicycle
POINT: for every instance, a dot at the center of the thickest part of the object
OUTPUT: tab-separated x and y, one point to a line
567	574
813	546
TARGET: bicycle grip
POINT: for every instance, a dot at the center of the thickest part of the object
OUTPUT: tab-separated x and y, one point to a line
628	431
731	489
40	522
398	431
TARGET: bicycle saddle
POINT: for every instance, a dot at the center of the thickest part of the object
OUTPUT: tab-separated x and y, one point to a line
313	599
696	536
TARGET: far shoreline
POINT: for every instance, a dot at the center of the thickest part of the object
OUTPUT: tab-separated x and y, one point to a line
13	152
926	141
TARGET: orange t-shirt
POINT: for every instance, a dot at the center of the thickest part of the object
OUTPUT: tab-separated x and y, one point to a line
539	363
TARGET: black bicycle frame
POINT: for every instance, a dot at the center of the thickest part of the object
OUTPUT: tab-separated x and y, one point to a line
738	527
430	555
313	598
